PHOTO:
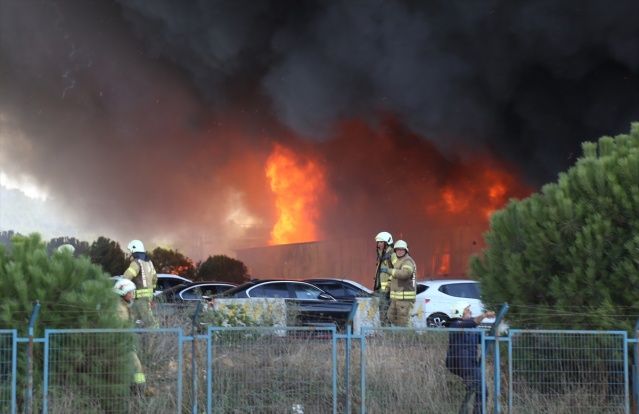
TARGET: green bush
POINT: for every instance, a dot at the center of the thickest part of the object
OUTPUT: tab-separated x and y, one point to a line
73	293
568	256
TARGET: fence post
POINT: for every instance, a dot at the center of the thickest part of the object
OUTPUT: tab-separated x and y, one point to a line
29	396
494	333
347	367
196	320
635	371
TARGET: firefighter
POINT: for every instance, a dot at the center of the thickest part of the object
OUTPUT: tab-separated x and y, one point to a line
385	259
66	248
126	290
142	272
402	285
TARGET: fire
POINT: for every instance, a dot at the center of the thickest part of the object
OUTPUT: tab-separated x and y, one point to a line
454	203
298	184
484	192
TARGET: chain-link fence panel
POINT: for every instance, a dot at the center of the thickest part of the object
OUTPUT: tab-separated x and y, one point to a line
568	372
272	370
405	371
7	370
113	371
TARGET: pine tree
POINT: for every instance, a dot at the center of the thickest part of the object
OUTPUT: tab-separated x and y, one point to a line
568	256
73	293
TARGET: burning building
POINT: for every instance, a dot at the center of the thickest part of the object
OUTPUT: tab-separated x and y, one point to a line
293	132
332	198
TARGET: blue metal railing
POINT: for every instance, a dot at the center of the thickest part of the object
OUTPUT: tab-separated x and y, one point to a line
601	361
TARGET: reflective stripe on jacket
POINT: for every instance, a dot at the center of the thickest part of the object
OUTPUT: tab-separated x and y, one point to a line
142	273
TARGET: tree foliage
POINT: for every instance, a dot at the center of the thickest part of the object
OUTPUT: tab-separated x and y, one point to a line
108	254
568	256
73	293
222	268
172	262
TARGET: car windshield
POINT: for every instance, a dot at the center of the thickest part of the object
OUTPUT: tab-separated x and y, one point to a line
340	289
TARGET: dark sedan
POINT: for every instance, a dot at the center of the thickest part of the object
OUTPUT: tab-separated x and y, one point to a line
306	304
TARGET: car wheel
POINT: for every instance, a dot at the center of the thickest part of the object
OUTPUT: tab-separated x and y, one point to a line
437	320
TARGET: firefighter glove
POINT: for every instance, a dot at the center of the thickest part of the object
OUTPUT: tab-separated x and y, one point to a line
384	269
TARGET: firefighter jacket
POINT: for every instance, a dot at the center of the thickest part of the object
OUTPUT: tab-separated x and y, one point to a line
388	258
402	279
142	273
124	313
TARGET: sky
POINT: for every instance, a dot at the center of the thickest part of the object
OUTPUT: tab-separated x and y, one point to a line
223	124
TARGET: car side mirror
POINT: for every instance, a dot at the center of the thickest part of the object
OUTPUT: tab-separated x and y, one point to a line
325	296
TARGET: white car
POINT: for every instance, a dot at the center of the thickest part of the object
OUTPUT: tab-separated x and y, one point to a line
435	299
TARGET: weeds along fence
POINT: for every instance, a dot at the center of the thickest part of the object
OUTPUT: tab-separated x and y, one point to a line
190	368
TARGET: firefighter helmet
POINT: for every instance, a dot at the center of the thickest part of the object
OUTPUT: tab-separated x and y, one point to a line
66	248
385	237
458	310
136	246
123	286
401	244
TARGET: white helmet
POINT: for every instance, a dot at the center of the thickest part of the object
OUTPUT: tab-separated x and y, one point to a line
136	246
123	286
401	244
457	310
66	248
385	237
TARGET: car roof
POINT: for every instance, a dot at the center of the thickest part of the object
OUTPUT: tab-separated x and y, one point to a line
172	275
254	282
349	281
442	281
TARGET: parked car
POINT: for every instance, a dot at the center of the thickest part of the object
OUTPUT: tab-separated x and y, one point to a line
437	297
341	289
306	304
192	292
166	281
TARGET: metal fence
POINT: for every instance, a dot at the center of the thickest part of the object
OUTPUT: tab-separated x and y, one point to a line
312	370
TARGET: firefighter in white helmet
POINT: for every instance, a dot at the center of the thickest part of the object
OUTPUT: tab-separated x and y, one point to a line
385	259
142	272
402	285
66	248
126	290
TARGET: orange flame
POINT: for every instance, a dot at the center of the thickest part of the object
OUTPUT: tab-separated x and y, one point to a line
486	192
444	267
297	184
453	202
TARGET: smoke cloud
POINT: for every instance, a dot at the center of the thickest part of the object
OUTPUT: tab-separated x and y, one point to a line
153	119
